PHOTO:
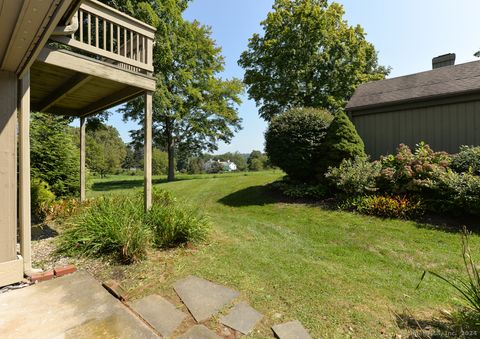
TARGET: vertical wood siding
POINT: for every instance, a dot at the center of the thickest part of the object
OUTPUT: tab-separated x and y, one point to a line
443	127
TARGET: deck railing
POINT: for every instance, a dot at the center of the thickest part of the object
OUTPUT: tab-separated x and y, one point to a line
112	36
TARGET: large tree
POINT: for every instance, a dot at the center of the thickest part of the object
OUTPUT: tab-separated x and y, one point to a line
193	108
308	56
105	151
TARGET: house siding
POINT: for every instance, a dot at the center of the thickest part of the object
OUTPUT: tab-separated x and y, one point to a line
445	127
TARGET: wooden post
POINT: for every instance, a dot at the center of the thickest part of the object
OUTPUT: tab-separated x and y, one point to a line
148	151
24	173
82	159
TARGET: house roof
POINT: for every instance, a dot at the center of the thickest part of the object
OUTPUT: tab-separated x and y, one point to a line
444	81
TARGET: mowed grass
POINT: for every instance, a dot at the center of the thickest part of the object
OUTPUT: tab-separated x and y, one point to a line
339	273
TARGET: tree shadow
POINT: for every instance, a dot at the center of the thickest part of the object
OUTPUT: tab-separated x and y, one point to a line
107	186
260	195
449	223
423	328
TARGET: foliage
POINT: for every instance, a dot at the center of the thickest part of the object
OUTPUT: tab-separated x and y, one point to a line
215	167
469	288
54	157
257	161
159	162
308	56
300	191
293	141
467	160
41	198
105	150
236	157
341	142
117	225
409	171
112	225
193	107
354	177
459	191
385	206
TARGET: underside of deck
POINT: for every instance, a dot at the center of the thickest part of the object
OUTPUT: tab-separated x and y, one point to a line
67	83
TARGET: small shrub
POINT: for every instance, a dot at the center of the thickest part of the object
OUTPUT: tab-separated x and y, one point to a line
112	225
467	160
400	207
409	171
41	199
293	140
341	142
459	191
66	208
354	176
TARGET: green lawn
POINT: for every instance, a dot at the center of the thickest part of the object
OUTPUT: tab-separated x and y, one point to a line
339	273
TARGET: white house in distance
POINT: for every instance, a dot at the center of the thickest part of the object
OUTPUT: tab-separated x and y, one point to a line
228	166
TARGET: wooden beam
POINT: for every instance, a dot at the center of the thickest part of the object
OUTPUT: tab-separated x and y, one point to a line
148	152
77	81
104	70
24	214
82	159
110	101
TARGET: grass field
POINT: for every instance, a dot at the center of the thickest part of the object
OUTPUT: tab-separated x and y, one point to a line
340	274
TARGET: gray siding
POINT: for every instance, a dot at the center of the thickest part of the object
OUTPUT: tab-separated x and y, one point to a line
444	127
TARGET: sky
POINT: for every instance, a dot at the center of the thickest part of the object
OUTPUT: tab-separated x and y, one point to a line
407	34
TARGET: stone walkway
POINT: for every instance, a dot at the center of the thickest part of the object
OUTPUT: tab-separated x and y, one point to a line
77	306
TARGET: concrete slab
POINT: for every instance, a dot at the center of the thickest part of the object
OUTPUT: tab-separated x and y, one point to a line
242	318
199	332
202	297
74	306
291	330
159	313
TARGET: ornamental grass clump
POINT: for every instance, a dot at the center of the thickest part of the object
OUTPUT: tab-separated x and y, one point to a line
117	226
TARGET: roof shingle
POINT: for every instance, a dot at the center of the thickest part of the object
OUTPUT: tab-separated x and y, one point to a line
450	80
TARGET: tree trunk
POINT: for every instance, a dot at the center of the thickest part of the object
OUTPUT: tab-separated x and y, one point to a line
170	150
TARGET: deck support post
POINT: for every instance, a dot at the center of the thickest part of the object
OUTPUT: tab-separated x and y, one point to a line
25	222
82	159
148	151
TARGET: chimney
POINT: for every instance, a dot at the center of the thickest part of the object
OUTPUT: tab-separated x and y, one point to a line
444	60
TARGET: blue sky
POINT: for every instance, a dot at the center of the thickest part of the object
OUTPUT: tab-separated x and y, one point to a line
406	33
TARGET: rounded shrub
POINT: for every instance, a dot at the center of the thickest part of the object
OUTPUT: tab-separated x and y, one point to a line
42	198
341	142
294	138
467	160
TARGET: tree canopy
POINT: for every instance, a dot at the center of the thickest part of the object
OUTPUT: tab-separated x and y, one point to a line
193	107
308	56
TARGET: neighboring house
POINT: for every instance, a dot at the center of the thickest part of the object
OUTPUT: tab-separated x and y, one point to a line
440	107
108	62
213	166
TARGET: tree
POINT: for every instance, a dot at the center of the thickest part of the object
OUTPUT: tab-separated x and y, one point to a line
159	162
105	151
293	141
257	161
341	142
308	56
54	156
193	108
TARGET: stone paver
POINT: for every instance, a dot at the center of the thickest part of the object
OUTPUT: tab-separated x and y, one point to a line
159	313
73	306
291	330
199	332
202	297
242	318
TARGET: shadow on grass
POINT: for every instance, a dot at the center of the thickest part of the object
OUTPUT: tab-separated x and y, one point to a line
450	224
424	328
107	186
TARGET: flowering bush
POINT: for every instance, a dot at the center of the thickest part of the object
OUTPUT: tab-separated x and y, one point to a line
460	191
409	171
